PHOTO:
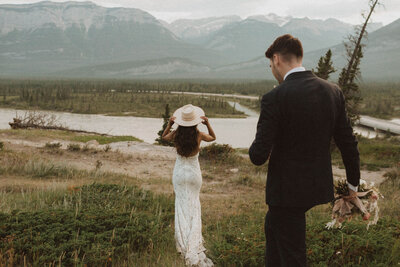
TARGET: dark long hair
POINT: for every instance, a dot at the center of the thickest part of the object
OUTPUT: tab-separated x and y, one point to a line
186	140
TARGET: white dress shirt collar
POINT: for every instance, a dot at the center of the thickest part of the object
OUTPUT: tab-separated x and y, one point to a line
297	69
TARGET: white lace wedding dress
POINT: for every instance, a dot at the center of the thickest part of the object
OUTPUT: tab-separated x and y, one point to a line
187	181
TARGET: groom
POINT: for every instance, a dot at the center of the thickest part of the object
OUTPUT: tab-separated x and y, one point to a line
297	122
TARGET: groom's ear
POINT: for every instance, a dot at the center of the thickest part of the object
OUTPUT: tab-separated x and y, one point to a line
275	59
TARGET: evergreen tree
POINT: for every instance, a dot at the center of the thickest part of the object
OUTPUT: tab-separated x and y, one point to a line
350	87
351	73
325	68
165	116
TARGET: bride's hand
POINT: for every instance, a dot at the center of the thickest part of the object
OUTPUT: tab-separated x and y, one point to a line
171	120
205	120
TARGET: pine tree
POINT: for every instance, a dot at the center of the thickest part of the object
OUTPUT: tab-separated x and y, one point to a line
351	73
165	116
350	87
325	67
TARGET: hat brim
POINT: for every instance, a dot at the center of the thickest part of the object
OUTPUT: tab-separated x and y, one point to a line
199	112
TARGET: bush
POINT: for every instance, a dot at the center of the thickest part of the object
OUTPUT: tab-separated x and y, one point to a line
1	146
393	175
74	147
107	148
52	145
98	224
216	152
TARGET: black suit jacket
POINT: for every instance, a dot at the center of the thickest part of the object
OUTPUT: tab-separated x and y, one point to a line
297	121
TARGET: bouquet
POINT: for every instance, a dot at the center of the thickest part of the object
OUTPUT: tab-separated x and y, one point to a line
345	208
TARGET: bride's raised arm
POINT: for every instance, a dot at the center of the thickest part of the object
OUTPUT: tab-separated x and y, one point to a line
167	134
211	135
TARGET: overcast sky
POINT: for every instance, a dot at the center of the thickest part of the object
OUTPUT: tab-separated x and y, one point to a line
169	10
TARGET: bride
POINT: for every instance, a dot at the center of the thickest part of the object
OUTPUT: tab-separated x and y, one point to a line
187	181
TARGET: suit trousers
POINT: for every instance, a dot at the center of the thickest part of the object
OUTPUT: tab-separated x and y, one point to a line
285	232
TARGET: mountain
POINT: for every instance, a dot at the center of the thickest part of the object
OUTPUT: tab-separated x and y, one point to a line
250	38
197	31
242	40
381	61
382	53
161	68
246	39
82	39
316	34
272	18
373	26
36	38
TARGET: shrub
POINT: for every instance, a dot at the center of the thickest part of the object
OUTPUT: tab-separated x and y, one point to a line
52	145
1	146
98	164
217	151
107	148
393	175
85	148
74	147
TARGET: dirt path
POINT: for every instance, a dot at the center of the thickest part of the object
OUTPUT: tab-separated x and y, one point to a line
136	159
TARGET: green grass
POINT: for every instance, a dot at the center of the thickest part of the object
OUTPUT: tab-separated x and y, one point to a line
239	240
380	100
105	139
97	224
374	153
104	223
32	134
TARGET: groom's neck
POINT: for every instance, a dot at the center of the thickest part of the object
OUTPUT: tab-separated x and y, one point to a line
289	66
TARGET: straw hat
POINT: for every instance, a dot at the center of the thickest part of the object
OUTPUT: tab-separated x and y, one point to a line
188	115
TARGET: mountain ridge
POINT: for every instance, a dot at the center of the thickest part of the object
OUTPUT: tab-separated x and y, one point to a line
82	38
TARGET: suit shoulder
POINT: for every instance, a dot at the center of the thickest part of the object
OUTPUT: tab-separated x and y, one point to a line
271	94
332	87
326	83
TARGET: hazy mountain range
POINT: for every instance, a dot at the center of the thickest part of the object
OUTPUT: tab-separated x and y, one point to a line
82	39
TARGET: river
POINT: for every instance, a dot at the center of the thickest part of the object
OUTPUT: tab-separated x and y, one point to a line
238	132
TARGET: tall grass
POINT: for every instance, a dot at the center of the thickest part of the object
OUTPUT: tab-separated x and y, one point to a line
101	223
374	153
93	224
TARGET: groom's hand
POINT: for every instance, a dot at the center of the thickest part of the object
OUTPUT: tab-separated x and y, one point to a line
352	195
